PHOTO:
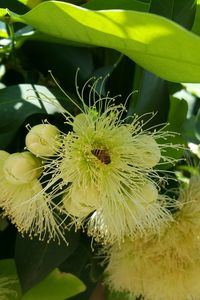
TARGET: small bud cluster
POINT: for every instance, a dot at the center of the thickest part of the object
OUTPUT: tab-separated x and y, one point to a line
23	198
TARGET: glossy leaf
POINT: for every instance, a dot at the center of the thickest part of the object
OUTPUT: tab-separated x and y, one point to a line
56	286
151	90
84	264
181	11
196	25
117	4
176	118
8	270
19	102
30	3
41	258
157	44
197	125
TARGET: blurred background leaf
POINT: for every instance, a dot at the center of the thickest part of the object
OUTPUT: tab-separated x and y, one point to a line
56	286
41	257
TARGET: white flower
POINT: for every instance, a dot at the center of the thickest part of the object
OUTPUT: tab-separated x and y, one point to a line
166	266
105	168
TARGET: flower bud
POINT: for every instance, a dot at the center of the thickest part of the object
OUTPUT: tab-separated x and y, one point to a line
3	156
20	168
82	122
82	202
148	151
43	140
149	192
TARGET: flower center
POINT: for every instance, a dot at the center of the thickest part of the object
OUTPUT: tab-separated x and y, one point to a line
102	154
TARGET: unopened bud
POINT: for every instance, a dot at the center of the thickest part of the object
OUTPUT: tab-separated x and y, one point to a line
82	202
148	151
81	122
3	156
43	140
21	168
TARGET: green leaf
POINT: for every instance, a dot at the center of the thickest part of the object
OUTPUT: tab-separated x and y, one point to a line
56	286
85	265
157	44
177	114
196	25
197	125
35	259
8	271
19	102
117	4
189	130
31	3
3	31
181	11
176	118
152	89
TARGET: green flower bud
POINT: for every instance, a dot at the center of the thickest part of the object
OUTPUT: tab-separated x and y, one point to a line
148	151
3	156
82	202
43	140
149	192
20	168
82	122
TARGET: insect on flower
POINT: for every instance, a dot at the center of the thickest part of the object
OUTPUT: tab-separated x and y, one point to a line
102	155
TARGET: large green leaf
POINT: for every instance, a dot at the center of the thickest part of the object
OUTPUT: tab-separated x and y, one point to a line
8	272
19	102
41	257
196	25
119	4
176	118
56	286
157	44
30	3
152	89
182	11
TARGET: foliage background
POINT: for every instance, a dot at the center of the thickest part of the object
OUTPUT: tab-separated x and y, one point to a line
142	52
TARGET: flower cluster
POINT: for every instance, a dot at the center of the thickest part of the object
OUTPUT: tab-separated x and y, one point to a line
100	175
164	267
22	196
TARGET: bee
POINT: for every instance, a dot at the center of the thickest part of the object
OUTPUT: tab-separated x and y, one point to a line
102	155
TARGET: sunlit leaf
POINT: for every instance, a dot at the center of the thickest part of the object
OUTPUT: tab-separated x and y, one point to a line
19	102
56	286
117	4
30	3
157	44
196	25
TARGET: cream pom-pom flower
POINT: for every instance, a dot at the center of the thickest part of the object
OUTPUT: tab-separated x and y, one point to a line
105	169
165	267
23	199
